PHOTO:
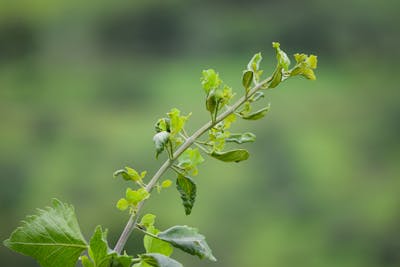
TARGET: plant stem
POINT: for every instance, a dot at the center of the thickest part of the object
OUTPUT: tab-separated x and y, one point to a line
133	219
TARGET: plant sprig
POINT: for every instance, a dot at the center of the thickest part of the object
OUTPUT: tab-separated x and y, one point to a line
53	236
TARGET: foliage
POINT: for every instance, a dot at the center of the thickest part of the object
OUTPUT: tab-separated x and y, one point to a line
53	236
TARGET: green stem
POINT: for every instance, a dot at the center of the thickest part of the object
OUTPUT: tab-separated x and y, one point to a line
133	219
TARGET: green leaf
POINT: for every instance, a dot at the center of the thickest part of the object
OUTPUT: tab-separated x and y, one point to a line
101	255
241	138
187	239
159	260
122	204
166	183
163	125
148	220
257	114
124	174
151	244
189	160
136	196
187	189
130	174
247	79
86	262
210	80
154	245
305	66
160	140
232	155
177	121
52	237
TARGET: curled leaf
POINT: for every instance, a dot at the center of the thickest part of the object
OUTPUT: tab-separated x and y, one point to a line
232	155
160	140
241	138
256	115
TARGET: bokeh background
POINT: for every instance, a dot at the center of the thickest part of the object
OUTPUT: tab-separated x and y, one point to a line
82	83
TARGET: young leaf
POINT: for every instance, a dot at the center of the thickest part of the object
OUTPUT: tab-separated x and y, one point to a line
166	183
187	239
305	66
122	204
241	138
232	155
136	196
210	80
101	255
247	79
160	140
189	160
187	189
256	115
148	220
52	237
177	122
159	260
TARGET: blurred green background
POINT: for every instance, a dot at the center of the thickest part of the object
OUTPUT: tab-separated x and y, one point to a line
82	83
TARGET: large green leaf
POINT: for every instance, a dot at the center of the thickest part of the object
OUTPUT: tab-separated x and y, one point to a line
187	239
101	255
159	260
187	189
52	237
232	155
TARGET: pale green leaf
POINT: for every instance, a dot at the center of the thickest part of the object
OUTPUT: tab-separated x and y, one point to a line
256	115
86	262
166	183
122	204
159	260
232	155
148	220
241	138
254	63
177	121
210	80
136	196
187	189
154	245
187	239
52	237
189	160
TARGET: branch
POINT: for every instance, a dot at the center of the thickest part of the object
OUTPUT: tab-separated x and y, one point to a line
132	222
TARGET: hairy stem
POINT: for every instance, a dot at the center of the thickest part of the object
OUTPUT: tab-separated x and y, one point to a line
133	219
